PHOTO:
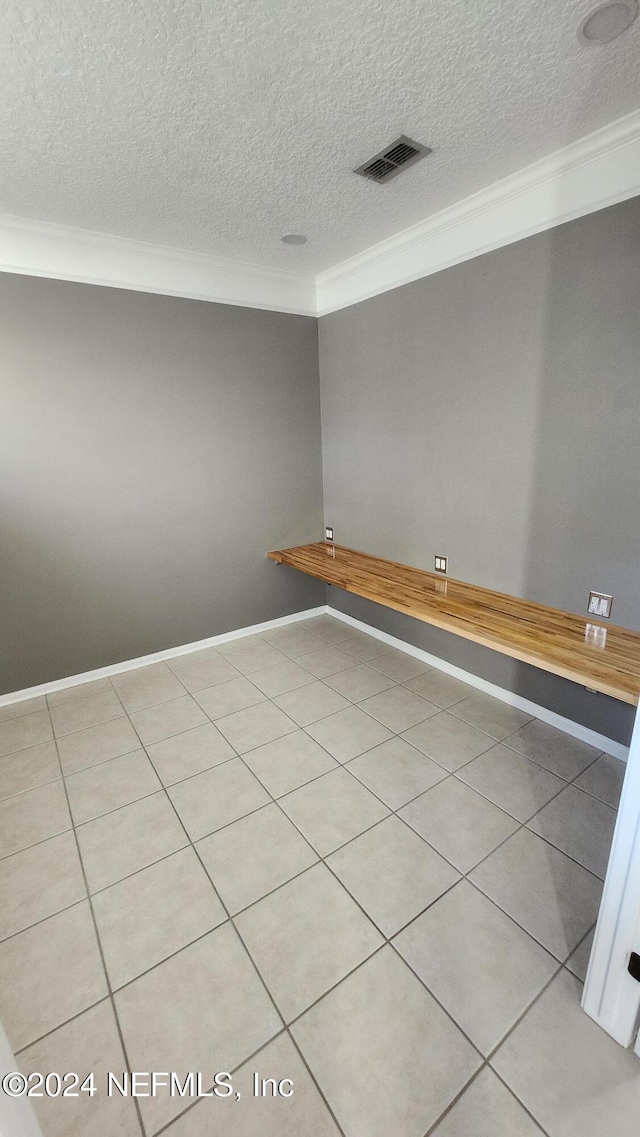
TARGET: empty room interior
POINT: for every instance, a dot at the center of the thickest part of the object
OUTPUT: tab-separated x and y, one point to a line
319	569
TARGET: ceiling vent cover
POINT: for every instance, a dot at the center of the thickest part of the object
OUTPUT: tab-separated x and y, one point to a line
401	154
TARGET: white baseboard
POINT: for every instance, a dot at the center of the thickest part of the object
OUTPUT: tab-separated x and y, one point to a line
600	741
567	725
155	657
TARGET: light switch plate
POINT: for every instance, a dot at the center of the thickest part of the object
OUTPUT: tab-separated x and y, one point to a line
328	533
441	564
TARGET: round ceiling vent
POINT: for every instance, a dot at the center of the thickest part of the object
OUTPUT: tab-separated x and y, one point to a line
294	239
607	22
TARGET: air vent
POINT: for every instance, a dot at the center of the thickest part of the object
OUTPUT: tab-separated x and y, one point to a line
393	159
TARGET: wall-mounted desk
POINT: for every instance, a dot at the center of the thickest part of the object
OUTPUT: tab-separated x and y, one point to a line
604	658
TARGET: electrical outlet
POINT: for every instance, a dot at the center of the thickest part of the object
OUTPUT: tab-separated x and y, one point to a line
328	533
441	564
600	604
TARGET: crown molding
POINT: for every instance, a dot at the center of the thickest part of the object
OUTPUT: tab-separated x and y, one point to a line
598	170
38	248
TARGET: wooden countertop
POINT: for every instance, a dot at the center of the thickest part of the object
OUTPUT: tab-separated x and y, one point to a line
555	641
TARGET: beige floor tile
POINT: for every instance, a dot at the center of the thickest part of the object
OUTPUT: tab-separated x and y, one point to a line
149	916
440	688
79	692
399	666
293	641
575	1080
129	839
603	779
253	856
348	733
254	657
325	661
100	789
33	816
363	647
490	715
202	673
305	937
482	968
167	719
553	749
25	730
312	702
89	1043
28	769
511	781
304	1114
227	646
392	873
332	810
398	709
226	698
189	753
487	1109
189	657
82	713
255	726
49	973
359	682
581	826
328	628
149	690
579	961
97	744
385	1055
23	707
396	772
289	762
38	882
550	896
463	826
280	678
204	1003
448	740
217	797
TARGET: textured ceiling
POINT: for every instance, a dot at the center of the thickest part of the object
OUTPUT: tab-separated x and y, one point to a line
217	125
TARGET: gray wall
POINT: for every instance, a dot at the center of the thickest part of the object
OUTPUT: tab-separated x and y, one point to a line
152	450
490	413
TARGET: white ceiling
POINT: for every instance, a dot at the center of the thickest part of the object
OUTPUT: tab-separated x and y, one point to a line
218	125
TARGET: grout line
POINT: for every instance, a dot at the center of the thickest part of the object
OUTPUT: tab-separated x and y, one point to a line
391	812
519	1101
102	957
210	1087
231	920
386	940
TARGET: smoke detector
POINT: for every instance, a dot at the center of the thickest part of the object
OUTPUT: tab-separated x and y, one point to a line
391	161
607	22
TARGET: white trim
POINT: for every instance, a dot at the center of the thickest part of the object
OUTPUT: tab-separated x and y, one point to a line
17	1115
596	171
39	248
600	741
610	995
567	725
155	657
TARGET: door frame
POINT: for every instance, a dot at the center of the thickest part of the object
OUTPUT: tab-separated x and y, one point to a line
611	997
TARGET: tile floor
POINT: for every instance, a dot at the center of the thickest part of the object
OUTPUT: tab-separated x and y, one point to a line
307	855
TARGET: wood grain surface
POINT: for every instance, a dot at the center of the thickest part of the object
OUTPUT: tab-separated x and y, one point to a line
548	638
